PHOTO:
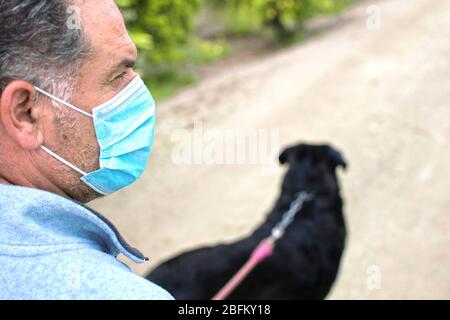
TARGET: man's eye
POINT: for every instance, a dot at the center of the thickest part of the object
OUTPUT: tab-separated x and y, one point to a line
121	76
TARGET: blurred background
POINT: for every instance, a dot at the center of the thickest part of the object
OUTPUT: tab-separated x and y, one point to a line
177	37
372	78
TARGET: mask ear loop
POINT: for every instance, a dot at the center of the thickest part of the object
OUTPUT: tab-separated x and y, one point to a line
54	155
64	103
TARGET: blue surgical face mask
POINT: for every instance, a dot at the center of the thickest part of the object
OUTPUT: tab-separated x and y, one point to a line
124	127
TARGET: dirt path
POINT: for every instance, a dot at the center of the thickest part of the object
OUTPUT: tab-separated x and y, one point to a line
381	96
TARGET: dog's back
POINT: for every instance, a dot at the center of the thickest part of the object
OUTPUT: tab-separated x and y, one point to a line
306	259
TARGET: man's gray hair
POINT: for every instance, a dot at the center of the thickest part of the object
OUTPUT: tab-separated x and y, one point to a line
38	45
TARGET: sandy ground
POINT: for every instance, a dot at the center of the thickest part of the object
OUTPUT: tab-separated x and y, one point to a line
382	96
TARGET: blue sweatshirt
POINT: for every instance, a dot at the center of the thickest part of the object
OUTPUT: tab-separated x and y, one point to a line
55	248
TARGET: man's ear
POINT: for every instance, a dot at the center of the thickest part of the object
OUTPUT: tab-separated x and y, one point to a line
19	114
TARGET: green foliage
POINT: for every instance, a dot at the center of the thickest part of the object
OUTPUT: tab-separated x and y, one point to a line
285	18
241	17
160	26
288	17
163	31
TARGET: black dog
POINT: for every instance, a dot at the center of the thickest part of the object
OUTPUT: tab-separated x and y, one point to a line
305	260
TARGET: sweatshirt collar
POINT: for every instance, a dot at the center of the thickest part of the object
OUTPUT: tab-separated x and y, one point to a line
33	220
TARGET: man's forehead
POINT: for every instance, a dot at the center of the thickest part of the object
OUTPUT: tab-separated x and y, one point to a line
104	25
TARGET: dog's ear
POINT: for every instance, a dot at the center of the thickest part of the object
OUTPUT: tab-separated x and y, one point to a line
284	156
291	153
335	158
317	153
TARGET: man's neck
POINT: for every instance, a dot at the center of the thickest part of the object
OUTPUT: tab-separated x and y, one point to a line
4	181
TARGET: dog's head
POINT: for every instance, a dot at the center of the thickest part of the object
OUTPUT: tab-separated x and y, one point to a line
311	167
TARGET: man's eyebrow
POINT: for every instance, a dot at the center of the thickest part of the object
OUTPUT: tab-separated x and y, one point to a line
128	63
125	63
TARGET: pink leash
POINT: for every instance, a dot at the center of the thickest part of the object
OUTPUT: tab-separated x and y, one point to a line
261	252
265	247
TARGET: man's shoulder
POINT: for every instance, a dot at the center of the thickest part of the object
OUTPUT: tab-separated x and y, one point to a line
53	248
80	274
101	276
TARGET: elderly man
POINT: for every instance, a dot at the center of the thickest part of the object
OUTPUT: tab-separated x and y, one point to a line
76	123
